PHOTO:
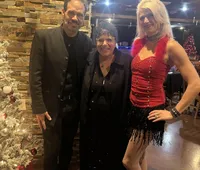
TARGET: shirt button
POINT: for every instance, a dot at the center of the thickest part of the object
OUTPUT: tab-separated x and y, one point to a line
92	101
59	96
90	109
66	58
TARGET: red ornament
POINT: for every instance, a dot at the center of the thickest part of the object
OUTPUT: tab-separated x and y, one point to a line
33	151
20	167
3	116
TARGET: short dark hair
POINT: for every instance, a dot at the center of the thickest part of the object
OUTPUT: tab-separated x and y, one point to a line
105	26
83	1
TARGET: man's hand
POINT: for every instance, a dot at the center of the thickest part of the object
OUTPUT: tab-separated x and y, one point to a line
41	119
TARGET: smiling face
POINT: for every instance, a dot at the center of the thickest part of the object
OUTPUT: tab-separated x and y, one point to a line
73	17
106	45
148	22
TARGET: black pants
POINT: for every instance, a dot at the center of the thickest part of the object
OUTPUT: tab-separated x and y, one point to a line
102	147
58	143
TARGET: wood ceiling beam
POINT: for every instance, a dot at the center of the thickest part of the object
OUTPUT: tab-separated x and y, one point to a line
132	17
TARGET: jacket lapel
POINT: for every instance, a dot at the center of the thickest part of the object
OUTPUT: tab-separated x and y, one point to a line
61	41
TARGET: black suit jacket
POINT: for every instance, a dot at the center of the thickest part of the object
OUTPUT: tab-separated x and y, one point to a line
48	65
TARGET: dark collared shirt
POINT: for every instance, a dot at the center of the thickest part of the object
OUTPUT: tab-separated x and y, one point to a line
72	84
106	92
71	74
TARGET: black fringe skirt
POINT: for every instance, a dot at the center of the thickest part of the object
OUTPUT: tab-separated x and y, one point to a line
141	126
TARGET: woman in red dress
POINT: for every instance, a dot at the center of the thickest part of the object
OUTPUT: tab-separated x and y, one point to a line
154	51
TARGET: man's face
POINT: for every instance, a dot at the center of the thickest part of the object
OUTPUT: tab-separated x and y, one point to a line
73	17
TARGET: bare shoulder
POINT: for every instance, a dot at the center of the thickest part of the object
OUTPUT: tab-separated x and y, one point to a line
172	44
173	47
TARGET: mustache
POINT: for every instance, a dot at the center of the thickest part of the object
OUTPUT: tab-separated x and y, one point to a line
73	21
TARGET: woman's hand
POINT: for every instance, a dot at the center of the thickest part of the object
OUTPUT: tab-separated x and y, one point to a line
158	115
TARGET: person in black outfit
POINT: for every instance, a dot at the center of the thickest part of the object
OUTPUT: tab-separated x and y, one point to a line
57	62
104	103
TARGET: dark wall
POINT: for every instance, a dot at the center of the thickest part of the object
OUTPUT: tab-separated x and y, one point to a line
128	34
197	39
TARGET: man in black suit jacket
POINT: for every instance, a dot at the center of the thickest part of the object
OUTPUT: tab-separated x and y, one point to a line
57	60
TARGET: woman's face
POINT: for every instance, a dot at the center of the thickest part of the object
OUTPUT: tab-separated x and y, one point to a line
148	22
106	45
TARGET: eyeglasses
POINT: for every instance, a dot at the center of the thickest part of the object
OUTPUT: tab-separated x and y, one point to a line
108	41
148	16
79	15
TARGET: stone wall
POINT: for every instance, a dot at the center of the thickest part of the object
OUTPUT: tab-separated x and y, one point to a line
18	21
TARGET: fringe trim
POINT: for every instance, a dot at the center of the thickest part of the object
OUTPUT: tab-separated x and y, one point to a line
155	136
141	127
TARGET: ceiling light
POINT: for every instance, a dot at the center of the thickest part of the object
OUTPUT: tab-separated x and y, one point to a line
184	8
109	19
107	3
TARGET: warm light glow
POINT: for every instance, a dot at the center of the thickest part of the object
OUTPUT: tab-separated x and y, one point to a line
5	130
181	28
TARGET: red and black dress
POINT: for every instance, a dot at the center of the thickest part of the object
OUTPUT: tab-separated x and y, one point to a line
147	91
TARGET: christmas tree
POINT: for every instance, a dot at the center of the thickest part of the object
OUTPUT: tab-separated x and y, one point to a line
17	144
190	47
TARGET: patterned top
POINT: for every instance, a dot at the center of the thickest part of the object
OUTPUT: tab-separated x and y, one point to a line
148	75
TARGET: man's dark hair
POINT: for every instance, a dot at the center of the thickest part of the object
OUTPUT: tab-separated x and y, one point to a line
106	27
83	1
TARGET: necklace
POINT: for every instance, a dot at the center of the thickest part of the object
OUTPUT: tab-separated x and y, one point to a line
154	37
106	62
105	66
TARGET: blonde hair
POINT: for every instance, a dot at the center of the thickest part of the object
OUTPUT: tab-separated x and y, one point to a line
160	14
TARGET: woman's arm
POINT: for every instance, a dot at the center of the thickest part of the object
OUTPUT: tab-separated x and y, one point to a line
181	60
